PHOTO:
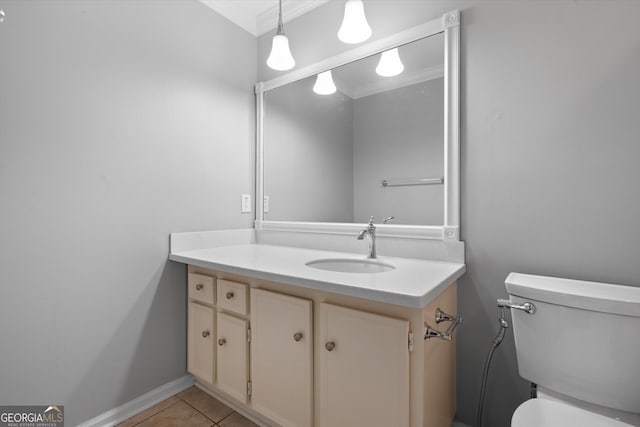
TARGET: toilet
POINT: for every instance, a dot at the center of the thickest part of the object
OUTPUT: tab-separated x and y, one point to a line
581	347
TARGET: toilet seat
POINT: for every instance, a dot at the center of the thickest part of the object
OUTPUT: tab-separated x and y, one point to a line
549	413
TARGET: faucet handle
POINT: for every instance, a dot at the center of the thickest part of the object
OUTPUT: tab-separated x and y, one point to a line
371	221
384	221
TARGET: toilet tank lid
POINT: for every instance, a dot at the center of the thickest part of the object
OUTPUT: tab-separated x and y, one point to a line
603	297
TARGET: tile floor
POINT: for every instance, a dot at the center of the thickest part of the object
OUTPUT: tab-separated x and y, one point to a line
190	408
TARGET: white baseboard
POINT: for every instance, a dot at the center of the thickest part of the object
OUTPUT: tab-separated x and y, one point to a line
127	410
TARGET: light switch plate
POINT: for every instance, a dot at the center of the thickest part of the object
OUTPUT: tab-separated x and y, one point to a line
246	203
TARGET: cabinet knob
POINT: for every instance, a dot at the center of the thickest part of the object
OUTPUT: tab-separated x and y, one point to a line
199	287
205	334
330	346
229	295
222	342
297	336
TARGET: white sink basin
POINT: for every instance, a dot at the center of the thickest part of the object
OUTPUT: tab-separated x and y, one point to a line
349	265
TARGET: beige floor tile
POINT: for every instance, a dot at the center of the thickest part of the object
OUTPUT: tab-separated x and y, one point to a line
237	420
148	413
178	415
206	404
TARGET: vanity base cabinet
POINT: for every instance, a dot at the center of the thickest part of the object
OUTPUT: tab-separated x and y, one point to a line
294	356
282	358
232	355
200	340
363	369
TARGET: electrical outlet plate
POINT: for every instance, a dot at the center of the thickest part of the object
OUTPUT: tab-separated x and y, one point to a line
246	203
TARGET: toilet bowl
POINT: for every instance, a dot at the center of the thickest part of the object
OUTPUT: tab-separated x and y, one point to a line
549	413
581	346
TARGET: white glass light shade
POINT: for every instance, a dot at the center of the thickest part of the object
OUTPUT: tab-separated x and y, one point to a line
324	84
390	64
354	28
280	57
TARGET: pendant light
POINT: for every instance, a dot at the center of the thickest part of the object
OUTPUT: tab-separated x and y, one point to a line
354	28
324	84
280	57
390	64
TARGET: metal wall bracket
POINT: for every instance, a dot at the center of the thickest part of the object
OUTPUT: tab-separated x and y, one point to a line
441	316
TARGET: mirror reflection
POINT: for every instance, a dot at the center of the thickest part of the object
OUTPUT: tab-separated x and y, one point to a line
363	139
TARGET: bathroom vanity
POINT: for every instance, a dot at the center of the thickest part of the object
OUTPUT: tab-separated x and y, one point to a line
288	344
293	322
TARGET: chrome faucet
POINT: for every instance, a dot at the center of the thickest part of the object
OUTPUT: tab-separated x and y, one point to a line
370	232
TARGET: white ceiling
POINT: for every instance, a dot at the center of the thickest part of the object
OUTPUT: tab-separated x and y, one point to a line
261	16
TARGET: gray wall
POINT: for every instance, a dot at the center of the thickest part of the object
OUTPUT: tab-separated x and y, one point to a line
550	126
399	134
308	154
120	122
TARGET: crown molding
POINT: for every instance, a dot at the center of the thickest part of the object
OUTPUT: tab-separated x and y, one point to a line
405	79
268	20
383	84
263	22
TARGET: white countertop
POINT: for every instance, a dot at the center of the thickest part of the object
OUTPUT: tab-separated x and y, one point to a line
414	282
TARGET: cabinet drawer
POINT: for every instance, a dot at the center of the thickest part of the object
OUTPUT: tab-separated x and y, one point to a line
201	288
232	296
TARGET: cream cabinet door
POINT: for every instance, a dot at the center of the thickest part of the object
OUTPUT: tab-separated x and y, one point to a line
281	357
363	369
200	346
232	356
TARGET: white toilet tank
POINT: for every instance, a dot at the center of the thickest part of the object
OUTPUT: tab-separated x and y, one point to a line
583	340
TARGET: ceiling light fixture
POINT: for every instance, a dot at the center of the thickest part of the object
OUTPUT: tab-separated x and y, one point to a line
354	28
390	64
280	57
324	84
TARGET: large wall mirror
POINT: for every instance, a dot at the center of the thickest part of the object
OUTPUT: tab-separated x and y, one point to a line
376	145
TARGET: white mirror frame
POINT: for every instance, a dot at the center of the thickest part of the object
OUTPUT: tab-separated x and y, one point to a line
449	24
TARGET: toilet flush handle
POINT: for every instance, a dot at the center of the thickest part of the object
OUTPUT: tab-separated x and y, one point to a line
527	307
